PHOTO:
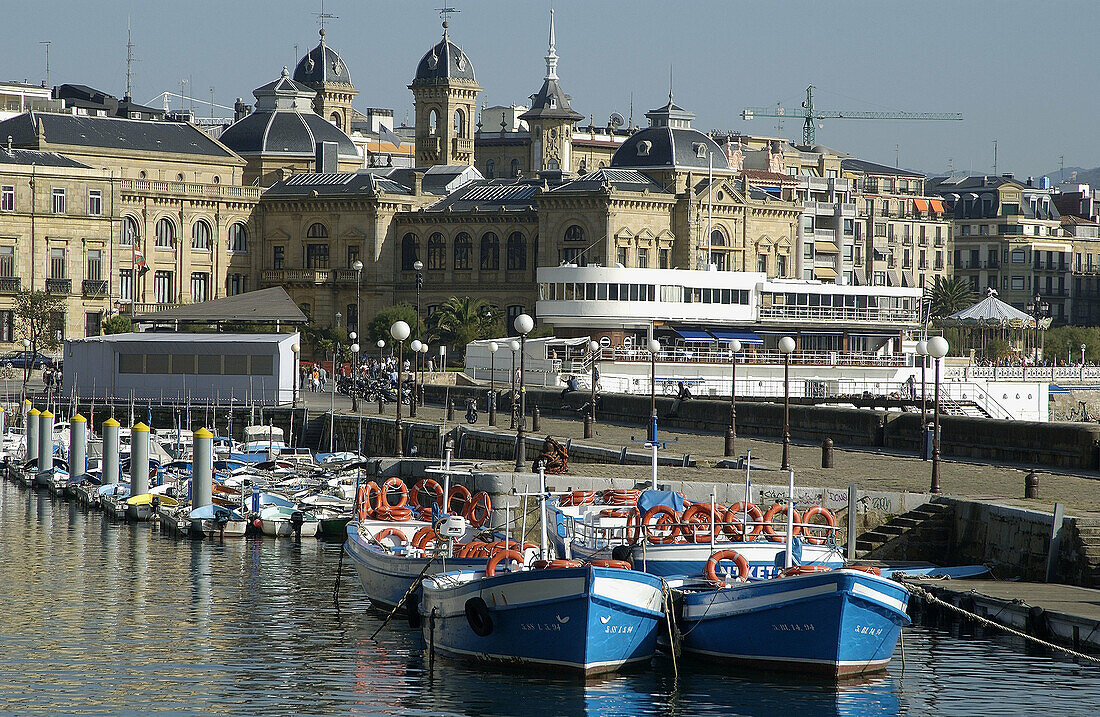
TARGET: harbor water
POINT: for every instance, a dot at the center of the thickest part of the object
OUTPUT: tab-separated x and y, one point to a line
106	618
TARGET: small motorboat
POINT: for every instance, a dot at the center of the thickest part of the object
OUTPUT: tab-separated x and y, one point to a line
216	521
282	521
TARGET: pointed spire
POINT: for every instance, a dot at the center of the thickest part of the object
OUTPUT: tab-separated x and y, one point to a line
670	83
552	53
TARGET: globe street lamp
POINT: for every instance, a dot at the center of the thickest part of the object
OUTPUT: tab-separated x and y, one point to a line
357	267
423	369
786	347
415	347
922	351
493	348
731	431
523	325
354	372
514	401
1082	363
937	349
26	365
381	344
399	331
297	373
594	347
418	266
654	347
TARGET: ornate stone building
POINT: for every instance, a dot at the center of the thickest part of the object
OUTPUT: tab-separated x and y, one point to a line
445	98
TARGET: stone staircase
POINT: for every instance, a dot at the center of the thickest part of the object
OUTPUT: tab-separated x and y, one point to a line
952	407
923	533
316	428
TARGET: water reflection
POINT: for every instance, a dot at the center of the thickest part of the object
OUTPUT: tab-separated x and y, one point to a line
101	617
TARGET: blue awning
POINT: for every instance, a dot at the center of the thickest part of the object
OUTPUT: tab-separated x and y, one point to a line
727	335
697	335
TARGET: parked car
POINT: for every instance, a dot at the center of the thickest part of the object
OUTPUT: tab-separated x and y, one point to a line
20	359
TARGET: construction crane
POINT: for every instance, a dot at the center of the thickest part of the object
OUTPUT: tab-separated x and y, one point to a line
812	114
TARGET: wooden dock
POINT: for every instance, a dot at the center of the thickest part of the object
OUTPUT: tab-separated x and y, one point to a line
1064	614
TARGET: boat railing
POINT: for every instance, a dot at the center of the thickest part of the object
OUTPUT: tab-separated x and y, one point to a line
680	354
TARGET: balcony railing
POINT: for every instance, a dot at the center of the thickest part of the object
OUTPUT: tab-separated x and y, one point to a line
10	284
94	287
131	308
295	276
59	286
213	191
833	313
461	144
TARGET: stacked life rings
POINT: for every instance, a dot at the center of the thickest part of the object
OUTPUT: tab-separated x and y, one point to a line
392	533
577	497
700	522
368	500
735	514
769	527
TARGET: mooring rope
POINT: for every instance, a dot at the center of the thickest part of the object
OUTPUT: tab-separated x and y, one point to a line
413	587
929	597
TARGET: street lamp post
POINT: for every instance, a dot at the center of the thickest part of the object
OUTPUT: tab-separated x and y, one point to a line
493	348
514	400
786	347
357	266
922	351
418	266
1038	310
594	347
332	395
26	365
381	344
523	325
423	370
353	336
654	347
731	431
297	373
937	349
415	347
399	331
1082	362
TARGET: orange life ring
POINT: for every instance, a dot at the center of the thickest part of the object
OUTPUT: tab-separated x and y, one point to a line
620	564
422	485
614	513
627	496
633	526
830	524
732	521
395	483
698	515
366	506
864	569
711	570
552	564
509	555
397	515
481	501
667	519
803	570
424	536
769	529
578	497
462	493
388	532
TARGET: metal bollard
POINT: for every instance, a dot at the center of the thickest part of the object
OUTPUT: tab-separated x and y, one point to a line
450	410
381	406
827	453
422	394
534	419
1031	485
587	425
492	409
729	448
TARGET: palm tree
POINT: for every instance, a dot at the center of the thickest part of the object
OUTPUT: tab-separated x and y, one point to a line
948	296
460	320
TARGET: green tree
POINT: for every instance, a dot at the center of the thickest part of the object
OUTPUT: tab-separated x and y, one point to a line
462	319
1063	344
37	317
379	326
948	296
116	324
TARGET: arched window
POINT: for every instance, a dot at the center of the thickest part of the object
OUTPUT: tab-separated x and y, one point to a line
335	118
200	235
317	230
517	252
574	233
410	251
515	167
238	238
490	252
437	252
717	238
131	231
460	123
490	168
433	123
463	248
166	233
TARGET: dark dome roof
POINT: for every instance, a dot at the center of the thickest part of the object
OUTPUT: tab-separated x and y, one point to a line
322	64
669	147
285	132
445	61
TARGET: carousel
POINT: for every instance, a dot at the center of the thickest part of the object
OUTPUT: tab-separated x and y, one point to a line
992	319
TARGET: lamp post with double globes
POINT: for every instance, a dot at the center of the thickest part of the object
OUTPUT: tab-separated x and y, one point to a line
415	347
523	325
399	331
514	401
937	349
786	347
418	266
654	347
922	351
731	430
493	348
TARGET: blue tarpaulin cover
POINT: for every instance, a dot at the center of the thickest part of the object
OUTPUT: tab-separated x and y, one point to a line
670	498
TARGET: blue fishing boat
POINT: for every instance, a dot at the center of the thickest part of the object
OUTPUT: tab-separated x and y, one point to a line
832	622
587	619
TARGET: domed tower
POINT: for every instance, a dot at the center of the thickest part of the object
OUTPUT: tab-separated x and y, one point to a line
324	72
445	97
551	118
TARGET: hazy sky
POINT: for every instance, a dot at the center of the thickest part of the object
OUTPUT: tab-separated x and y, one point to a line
1022	73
